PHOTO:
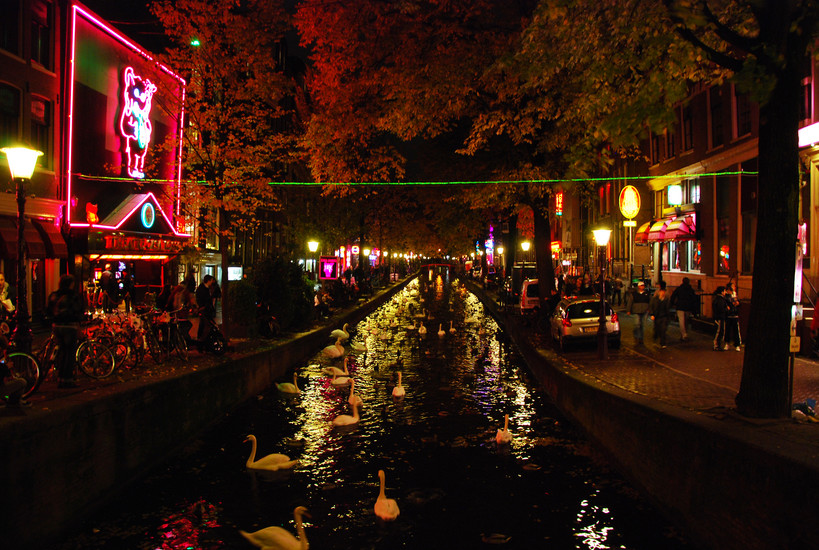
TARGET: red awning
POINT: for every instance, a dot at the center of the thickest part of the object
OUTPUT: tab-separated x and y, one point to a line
8	233
657	231
54	241
681	229
641	237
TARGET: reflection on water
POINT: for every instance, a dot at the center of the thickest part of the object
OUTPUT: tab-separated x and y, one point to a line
455	486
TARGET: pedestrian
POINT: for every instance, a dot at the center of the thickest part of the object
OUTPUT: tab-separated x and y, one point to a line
659	308
637	304
207	311
732	319
68	312
617	292
684	300
719	309
11	388
7	299
127	289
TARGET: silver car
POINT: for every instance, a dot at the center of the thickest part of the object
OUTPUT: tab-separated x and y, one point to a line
578	320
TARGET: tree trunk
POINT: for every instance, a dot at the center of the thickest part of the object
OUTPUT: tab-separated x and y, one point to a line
543	253
764	387
224	225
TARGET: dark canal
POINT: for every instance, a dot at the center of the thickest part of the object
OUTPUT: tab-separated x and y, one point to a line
455	486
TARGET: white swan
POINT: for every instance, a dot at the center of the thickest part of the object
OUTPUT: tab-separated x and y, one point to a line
441	331
385	508
276	538
503	437
346	419
334	350
287	387
412	326
354	399
341	333
272	462
398	390
358	347
451	328
335	371
422	330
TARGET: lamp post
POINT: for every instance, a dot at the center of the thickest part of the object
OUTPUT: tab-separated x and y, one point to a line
500	257
21	163
601	236
312	246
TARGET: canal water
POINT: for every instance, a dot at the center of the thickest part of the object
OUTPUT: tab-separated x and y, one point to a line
456	487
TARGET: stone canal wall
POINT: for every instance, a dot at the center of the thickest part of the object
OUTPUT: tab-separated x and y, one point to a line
58	465
725	481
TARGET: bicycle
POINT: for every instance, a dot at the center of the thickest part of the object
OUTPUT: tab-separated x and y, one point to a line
170	336
92	357
214	341
21	365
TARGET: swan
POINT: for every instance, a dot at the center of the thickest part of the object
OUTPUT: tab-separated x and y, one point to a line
412	326
340	380
354	399
451	328
398	390
441	331
334	350
287	387
385	508
422	330
341	333
276	538
346	419
504	436
394	323
335	371
272	462
358	347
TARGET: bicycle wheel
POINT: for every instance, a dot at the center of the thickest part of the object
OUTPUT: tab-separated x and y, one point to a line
178	343
215	343
47	358
154	348
95	359
23	365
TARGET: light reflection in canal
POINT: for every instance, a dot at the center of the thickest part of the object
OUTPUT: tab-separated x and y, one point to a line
455	486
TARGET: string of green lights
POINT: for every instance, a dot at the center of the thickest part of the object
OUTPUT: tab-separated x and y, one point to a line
463	182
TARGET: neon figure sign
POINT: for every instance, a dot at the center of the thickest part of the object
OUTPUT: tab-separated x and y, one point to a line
134	124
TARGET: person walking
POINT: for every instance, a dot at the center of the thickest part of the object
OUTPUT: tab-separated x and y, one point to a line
659	308
69	310
684	300
732	319
206	308
637	304
719	309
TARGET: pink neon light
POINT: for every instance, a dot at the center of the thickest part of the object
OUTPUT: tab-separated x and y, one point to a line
127	217
76	10
135	124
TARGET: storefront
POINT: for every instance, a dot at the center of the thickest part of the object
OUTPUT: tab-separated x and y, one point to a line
123	159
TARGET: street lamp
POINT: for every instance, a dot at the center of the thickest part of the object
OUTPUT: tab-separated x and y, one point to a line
312	246
601	236
21	164
525	245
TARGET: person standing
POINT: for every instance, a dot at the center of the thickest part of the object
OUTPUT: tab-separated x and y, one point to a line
68	308
637	304
8	298
127	289
206	309
659	308
719	309
732	318
685	300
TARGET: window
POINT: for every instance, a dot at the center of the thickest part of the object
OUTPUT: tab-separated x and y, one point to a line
723	208
9	114
41	33
715	114
806	92
742	113
41	128
656	154
670	145
10	26
687	129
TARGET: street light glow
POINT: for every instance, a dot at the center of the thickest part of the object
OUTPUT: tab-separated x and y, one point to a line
525	245
22	161
312	246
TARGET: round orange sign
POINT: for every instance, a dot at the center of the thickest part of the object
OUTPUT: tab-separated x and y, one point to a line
629	202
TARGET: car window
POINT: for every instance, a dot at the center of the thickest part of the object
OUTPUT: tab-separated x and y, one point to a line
584	310
531	291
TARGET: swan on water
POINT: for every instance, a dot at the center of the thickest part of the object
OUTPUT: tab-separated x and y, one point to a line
354	399
287	387
355	346
272	462
335	371
398	390
441	331
422	330
341	333
451	328
334	350
385	508
277	538
340	380
503	437
346	419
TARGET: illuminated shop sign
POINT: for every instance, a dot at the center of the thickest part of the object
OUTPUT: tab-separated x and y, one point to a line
328	267
559	203
141	244
134	123
629	202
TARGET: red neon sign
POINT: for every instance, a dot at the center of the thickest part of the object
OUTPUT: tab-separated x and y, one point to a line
559	203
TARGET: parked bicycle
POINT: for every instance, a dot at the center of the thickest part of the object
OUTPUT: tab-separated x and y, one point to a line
92	357
170	332
21	365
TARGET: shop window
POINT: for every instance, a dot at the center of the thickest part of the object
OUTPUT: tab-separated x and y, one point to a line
10	26
41	29
742	114
723	246
41	129
687	128
9	114
716	123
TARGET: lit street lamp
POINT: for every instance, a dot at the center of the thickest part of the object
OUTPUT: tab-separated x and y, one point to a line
312	246
601	236
21	163
525	245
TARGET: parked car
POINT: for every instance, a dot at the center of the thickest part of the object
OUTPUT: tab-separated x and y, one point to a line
578	320
529	297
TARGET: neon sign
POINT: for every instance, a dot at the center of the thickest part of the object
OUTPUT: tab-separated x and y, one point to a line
559	203
147	215
629	202
134	124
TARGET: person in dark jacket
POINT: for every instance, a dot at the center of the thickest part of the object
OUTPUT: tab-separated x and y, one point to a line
684	300
69	309
659	309
719	309
637	303
206	308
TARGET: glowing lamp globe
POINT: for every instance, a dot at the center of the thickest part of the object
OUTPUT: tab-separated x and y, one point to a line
601	236
22	161
312	246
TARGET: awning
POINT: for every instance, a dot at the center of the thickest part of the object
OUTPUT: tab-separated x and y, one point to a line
681	229
641	237
657	231
53	238
8	233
